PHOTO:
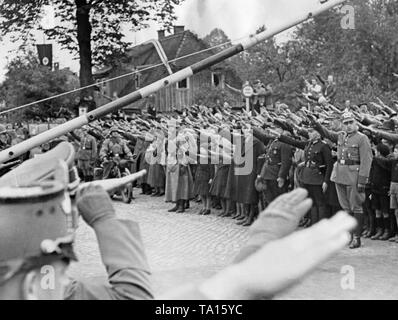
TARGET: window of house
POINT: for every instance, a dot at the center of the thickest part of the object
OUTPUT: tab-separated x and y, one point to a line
183	84
216	79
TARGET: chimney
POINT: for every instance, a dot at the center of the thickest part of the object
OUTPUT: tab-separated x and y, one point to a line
161	34
178	29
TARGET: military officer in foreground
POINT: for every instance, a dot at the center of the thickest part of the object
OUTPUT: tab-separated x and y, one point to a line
36	245
351	171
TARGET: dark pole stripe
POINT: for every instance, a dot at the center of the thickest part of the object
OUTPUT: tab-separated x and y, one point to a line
221	56
114	105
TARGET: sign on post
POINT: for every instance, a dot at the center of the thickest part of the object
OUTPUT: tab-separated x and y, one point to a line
248	93
82	110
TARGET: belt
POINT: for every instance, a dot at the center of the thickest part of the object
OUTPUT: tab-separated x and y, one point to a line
348	162
314	165
269	163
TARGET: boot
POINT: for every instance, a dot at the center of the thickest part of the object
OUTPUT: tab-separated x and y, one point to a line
356	243
371	227
378	235
387	230
379	229
181	206
174	209
250	219
358	230
148	189
386	235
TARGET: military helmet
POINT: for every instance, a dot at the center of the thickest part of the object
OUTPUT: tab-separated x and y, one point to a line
114	129
347	116
33	227
57	164
43	167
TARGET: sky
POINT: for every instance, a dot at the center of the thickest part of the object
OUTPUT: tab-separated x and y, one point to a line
238	18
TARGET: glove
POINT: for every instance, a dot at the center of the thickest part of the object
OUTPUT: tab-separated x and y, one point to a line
94	204
280	219
361	188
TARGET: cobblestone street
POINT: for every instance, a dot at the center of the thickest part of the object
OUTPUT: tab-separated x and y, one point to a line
186	248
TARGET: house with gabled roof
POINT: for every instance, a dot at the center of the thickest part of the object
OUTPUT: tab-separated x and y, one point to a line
180	49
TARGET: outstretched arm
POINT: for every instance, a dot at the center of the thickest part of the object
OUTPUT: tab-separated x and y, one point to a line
121	249
293	142
326	133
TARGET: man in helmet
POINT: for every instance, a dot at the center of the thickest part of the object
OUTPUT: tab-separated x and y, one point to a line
114	148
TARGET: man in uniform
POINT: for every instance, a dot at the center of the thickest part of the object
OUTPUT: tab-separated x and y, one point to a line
36	246
140	163
351	171
116	148
86	155
315	172
276	167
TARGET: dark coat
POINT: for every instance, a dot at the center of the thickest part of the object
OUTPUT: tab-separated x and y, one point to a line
278	160
318	160
220	180
204	173
140	162
379	178
244	191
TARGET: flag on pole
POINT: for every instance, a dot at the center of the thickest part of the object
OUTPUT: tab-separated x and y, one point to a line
45	52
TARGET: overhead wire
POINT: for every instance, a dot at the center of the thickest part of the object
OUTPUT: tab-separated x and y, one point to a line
116	78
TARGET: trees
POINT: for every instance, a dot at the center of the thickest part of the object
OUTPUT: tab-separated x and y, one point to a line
208	96
27	81
90	28
217	37
362	60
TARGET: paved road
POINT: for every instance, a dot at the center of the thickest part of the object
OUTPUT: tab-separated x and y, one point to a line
186	248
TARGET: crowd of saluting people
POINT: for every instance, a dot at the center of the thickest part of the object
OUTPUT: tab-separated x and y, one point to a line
201	154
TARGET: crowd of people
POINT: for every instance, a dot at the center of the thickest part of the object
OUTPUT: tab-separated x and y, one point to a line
343	156
256	167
